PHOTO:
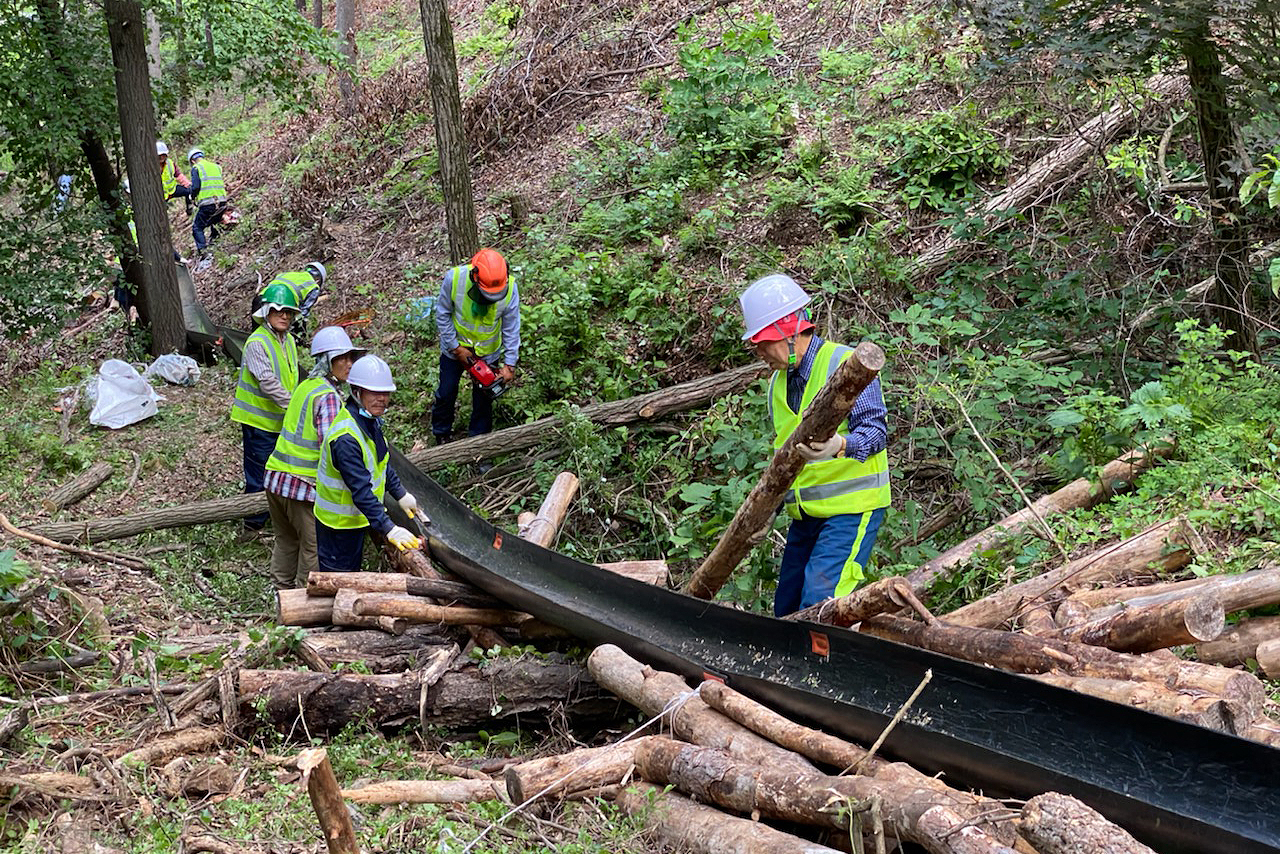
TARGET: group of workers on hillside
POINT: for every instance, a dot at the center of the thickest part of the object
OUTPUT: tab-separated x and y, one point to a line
204	192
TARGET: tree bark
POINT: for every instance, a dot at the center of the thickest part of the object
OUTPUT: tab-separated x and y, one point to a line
344	22
1079	493
345	614
563	775
649	571
690	827
1144	628
823	417
417	609
1268	657
296	608
1240	642
317	14
712	776
648	406
1236	592
1060	824
451	136
467	695
326	800
875	598
446	592
378	651
1163	547
78	487
1203	710
427	792
544	526
180	743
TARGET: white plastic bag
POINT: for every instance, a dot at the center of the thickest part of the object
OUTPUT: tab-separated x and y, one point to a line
123	396
174	368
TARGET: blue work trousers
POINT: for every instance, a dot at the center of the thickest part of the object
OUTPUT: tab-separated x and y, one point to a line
339	549
820	554
207	216
446	400
258	445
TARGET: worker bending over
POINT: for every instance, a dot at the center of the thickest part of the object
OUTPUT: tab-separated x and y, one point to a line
353	477
838	500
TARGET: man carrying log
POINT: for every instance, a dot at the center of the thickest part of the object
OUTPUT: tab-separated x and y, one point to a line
838	500
291	469
352	476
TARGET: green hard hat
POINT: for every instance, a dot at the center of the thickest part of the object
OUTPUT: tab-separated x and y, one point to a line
279	296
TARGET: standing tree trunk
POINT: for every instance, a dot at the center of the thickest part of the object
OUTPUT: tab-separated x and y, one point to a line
183	69
153	45
1232	296
127	32
451	137
317	13
344	21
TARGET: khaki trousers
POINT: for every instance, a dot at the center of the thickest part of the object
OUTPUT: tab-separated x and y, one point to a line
294	554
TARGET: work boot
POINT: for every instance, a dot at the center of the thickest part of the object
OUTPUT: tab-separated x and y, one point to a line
441	438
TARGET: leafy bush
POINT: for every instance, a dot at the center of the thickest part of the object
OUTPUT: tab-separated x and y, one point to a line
943	156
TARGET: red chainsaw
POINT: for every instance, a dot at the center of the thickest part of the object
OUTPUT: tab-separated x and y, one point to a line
484	376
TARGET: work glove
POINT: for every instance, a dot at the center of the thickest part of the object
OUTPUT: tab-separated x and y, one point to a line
402	539
828	450
409	505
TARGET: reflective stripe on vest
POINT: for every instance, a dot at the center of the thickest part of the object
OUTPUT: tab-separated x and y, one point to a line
297	450
168	180
335	505
252	406
482	333
300	283
826	488
211	186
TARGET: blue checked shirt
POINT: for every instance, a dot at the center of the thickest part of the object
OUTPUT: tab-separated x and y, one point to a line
868	428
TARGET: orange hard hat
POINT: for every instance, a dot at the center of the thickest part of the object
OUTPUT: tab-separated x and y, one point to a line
787	326
489	270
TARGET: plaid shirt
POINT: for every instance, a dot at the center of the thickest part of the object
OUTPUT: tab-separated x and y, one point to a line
300	488
868	428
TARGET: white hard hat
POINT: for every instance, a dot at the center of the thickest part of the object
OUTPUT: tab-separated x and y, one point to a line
332	340
317	271
193	154
161	148
768	299
371	374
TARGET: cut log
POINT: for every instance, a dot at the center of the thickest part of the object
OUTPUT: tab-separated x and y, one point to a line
444	592
1143	628
181	743
1120	472
344	614
712	776
1203	710
545	525
1237	593
875	598
412	562
1060	824
59	785
1268	656
467	695
566	774
1239	643
379	651
326	800
1163	547
656	692
643	407
653	572
690	827
78	487
295	608
427	792
829	409
417	609
1025	654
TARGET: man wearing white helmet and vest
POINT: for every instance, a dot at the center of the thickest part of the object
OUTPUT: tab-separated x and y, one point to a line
838	500
268	376
353	477
173	182
209	194
478	317
291	470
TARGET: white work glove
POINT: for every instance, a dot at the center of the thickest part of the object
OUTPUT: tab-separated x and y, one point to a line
408	504
402	539
828	450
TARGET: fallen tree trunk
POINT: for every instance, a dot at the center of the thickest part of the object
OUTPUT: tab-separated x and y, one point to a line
180	743
78	487
1164	547
445	592
1236	592
1240	642
563	775
690	827
466	695
1143	628
1079	493
379	651
875	598
345	614
656	692
417	609
829	409
712	776
1060	824
545	524
427	792
643	407
1268	656
1203	710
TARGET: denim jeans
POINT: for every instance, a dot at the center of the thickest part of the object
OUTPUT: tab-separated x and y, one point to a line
207	216
258	445
446	400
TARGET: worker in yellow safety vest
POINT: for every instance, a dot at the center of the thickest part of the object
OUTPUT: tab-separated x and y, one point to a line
268	376
209	194
307	285
291	470
478	318
173	182
352	477
838	500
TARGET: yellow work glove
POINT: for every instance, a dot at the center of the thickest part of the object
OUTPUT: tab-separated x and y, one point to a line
828	450
408	504
402	539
